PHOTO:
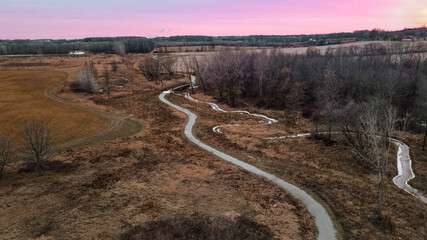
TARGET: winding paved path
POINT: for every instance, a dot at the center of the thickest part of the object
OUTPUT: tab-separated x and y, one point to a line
403	159
322	219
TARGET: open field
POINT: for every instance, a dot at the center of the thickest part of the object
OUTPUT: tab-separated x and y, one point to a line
23	99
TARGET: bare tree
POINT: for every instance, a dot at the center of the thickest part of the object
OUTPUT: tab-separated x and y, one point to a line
107	81
114	65
261	65
119	48
37	142
40	55
376	123
189	71
130	70
150	68
84	80
7	151
328	99
198	67
169	64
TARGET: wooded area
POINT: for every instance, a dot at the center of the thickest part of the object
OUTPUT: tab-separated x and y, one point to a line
94	45
319	86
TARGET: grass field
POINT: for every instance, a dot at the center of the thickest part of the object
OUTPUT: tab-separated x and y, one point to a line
22	99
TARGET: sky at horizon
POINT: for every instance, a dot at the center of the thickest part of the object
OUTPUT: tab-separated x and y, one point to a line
58	19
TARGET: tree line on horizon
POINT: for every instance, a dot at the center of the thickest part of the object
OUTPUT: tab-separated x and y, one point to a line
310	39
144	45
93	45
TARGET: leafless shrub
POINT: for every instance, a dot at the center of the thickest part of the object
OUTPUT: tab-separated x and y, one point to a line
84	80
151	69
40	55
119	48
130	70
106	75
7	151
200	227
169	64
114	66
37	142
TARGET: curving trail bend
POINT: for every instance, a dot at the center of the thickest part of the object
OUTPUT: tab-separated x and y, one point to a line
404	162
115	125
322	219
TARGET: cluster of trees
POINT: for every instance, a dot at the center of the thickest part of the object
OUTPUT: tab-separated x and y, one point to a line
120	46
365	94
36	142
95	45
85	79
313	83
153	68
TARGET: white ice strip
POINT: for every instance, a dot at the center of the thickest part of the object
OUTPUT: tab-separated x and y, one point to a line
405	171
290	136
217	108
76	53
216	129
269	120
322	219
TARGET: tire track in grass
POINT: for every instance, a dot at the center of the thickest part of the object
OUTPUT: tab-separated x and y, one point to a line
116	126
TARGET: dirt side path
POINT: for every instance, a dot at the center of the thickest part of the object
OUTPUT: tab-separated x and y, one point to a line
115	125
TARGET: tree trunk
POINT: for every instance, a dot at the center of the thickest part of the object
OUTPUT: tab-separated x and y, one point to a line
425	136
108	88
192	87
231	97
203	84
380	195
1	169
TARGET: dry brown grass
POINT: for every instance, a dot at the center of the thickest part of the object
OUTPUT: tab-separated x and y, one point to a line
419	160
112	189
22	99
330	172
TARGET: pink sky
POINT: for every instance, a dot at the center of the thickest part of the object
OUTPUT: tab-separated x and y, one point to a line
89	18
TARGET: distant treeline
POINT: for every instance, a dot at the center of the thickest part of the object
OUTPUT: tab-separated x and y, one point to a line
94	45
313	39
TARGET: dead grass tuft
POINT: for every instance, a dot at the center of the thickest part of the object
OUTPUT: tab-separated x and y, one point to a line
200	227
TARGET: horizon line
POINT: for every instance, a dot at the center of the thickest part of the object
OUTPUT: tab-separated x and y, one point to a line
194	35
